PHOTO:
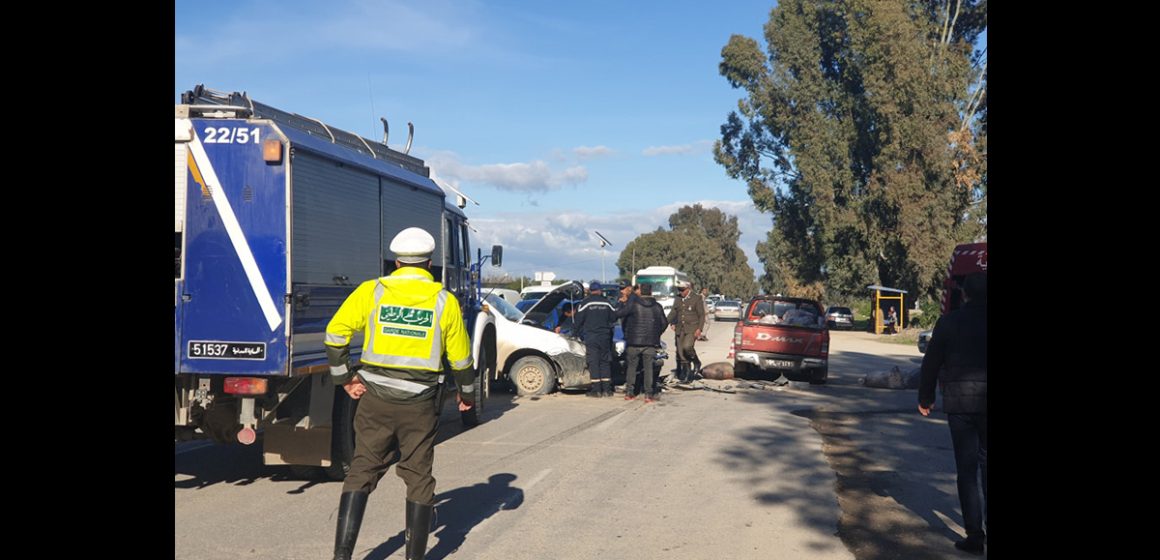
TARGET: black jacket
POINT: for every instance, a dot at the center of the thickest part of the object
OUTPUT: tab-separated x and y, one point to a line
644	321
595	318
956	358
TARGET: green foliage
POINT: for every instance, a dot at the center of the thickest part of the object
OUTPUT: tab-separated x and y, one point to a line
702	243
930	314
863	133
861	308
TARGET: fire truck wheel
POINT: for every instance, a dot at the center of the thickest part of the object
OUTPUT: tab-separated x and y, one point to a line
341	435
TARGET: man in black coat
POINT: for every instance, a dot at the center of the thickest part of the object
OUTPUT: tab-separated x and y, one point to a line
644	321
595	318
956	359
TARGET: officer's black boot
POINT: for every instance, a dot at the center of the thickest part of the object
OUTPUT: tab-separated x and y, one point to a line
682	372
595	391
350	513
607	386
418	527
696	369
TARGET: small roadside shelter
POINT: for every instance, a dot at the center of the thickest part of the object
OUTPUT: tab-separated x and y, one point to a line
882	299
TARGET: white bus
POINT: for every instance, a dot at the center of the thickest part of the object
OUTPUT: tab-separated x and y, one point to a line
664	283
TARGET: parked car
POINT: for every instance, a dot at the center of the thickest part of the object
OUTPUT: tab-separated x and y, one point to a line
839	317
534	358
924	340
784	335
727	309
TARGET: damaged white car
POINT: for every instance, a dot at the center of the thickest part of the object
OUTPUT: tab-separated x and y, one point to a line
529	353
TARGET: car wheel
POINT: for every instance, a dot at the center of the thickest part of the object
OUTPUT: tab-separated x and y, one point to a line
533	375
820	376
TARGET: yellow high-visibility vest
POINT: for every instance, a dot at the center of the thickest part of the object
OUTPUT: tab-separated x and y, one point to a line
408	321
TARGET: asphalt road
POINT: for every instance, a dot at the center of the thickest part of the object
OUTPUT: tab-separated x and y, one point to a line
817	472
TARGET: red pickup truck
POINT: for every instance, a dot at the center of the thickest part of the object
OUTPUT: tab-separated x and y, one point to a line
783	335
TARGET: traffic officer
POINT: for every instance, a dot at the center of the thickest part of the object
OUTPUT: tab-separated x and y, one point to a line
688	319
409	323
594	322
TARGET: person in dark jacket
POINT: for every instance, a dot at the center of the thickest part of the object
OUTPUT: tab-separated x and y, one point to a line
644	321
956	359
594	321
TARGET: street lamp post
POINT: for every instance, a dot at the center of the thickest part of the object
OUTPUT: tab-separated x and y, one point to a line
603	242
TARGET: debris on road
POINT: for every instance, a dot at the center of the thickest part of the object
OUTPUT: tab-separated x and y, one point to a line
893	379
718	370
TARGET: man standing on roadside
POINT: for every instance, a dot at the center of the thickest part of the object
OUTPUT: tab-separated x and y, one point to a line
644	321
410	325
688	319
594	322
956	360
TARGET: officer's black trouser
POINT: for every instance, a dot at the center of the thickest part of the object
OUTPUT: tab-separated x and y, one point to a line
380	428
598	352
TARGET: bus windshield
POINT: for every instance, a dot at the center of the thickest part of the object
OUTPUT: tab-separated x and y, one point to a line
662	286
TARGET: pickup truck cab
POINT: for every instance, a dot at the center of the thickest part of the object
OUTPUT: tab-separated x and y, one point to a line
783	335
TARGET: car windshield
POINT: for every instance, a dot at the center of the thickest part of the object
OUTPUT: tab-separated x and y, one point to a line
506	309
533	295
841	310
728	304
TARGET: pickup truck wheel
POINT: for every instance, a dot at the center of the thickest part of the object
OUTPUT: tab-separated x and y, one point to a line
533	376
740	369
820	376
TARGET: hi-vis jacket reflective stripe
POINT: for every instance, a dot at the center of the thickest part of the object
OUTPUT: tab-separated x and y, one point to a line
408	320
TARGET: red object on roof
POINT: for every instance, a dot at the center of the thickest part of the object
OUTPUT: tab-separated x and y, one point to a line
968	258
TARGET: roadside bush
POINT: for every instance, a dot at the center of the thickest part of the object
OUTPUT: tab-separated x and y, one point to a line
930	314
861	309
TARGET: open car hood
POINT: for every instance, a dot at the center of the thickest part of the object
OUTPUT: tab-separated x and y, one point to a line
539	312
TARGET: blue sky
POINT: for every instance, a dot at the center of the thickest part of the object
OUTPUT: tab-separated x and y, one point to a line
558	118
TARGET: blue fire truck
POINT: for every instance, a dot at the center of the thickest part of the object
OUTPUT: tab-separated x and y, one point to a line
277	218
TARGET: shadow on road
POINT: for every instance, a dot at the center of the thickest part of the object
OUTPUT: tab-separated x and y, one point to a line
894	468
197	465
458	512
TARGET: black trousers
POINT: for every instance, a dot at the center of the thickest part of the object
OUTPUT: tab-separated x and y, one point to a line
380	428
969	435
598	352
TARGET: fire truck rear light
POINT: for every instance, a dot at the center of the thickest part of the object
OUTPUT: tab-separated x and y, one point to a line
245	386
272	151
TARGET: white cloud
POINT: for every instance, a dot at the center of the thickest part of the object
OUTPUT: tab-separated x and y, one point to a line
586	152
532	177
695	147
563	242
